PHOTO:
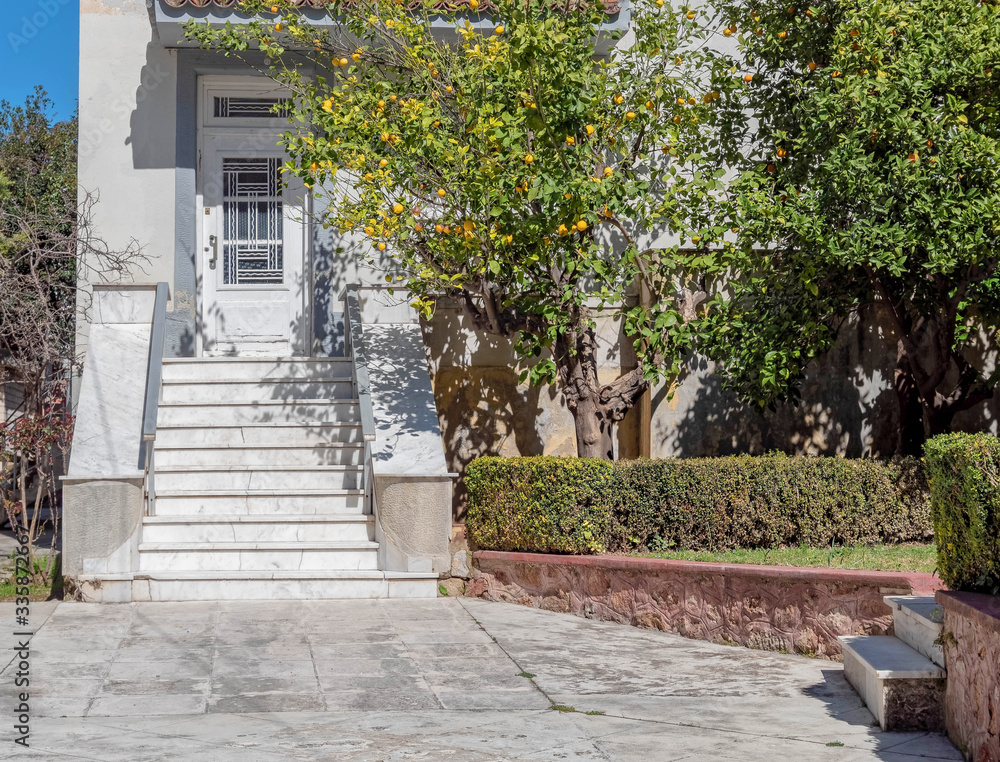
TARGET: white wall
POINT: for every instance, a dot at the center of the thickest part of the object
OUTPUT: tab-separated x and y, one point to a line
127	133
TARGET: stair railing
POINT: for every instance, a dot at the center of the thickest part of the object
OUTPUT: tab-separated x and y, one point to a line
355	349
151	407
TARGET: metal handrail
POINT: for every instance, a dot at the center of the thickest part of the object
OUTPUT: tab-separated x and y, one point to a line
154	378
356	351
355	346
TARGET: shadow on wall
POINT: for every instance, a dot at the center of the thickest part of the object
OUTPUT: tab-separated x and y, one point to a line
481	407
153	120
852	414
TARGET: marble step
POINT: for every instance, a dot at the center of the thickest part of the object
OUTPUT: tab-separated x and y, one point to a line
329	454
918	621
259	502
299	433
248	390
903	689
276	585
255	368
269	528
265	411
245	477
258	556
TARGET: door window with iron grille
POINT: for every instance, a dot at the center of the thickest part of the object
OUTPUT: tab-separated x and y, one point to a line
252	222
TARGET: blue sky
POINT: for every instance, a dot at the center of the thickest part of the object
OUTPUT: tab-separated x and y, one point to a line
39	44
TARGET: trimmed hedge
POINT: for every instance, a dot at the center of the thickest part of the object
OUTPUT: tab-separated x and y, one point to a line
964	475
576	505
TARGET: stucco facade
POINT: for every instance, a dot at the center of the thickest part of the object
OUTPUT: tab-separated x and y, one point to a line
139	153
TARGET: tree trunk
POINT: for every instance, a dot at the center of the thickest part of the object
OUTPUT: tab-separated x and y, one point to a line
910	434
594	429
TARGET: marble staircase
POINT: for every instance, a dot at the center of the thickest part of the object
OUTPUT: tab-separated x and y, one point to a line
260	486
901	679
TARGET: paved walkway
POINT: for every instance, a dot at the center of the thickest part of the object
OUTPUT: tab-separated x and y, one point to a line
452	680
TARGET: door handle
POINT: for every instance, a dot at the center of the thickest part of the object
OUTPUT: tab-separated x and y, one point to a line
213	242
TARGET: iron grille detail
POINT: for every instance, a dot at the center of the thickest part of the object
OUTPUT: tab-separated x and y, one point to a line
253	222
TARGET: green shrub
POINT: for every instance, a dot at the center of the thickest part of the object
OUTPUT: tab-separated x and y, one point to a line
550	505
698	504
964	474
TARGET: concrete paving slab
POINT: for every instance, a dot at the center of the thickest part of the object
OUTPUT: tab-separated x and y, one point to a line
389	680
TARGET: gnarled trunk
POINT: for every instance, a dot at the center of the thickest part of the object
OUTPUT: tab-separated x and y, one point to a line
596	408
594	429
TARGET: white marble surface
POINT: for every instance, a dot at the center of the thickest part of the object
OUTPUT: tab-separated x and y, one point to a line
256	504
408	438
918	621
279	528
890	658
108	428
230	557
257	477
124	303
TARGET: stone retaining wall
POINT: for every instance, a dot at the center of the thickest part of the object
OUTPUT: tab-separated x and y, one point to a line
775	608
972	655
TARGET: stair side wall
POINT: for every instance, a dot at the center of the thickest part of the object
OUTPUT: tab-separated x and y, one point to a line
971	640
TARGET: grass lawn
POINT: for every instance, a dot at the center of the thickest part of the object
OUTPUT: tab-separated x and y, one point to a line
915	557
8	590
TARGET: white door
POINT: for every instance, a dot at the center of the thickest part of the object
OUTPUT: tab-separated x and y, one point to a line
255	291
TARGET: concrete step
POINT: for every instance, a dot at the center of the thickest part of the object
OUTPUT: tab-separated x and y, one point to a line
193	478
918	621
249	390
902	688
258	556
297	433
266	411
259	502
256	529
329	454
255	368
243	586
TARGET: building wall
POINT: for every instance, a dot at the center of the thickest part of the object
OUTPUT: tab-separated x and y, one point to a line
127	139
138	152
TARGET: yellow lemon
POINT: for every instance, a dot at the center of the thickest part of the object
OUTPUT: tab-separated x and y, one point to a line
278	27
630	115
474	4
384	163
397	208
608	171
442	192
590	130
498	30
563	230
528	158
581	225
381	245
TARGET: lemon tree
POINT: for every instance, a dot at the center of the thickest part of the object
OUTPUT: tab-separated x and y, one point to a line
871	185
507	163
